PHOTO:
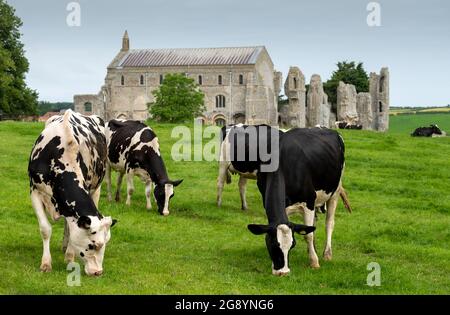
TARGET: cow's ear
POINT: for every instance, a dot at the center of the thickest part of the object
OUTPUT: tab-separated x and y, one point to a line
258	229
303	229
84	222
114	221
175	183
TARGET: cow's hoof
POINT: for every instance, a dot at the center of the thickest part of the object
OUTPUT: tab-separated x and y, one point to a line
64	248
244	208
327	255
46	267
69	258
314	265
149	207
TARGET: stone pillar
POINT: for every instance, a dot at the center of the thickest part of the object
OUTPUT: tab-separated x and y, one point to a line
294	89
379	91
317	102
346	103
364	108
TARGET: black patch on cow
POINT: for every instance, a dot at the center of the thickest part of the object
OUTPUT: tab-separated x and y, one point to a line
91	247
81	254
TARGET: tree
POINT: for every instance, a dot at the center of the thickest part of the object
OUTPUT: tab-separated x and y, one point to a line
350	73
15	97
178	99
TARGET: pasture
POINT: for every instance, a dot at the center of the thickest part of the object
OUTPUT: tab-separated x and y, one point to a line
398	187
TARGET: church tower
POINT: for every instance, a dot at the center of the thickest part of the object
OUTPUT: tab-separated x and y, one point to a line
125	42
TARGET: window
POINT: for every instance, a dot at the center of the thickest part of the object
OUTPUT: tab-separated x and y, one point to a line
220	122
122	80
295	83
380	105
241	79
220	101
219	80
200	80
88	107
141	81
161	79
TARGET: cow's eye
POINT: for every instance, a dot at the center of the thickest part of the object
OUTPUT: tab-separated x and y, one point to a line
93	233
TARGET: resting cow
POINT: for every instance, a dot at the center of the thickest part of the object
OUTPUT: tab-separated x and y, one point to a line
311	163
346	125
133	149
431	131
66	168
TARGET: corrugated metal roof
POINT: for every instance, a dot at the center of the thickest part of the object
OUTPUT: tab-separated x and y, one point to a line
190	56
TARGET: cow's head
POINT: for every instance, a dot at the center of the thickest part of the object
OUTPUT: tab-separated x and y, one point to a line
163	192
88	236
435	129
279	241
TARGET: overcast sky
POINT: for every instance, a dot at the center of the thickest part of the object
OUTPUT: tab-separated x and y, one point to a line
413	39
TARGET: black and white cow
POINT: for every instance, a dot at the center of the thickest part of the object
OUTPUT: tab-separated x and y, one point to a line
66	169
133	149
311	164
431	131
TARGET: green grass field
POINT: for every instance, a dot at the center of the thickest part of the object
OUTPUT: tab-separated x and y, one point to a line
398	187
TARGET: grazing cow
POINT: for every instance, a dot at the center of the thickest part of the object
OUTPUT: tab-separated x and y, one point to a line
346	125
226	169
133	149
66	168
311	164
427	131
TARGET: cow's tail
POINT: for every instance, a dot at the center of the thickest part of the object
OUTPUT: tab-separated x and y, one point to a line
228	176
345	200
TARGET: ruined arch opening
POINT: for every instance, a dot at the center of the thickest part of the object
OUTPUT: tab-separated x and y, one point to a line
380	106
220	121
239	118
381	85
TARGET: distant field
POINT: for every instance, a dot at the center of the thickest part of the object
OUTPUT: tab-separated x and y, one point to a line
398	111
398	187
406	124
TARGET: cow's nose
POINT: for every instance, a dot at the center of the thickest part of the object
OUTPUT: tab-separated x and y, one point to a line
98	245
98	273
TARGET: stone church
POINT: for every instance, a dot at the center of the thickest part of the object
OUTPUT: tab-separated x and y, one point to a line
240	83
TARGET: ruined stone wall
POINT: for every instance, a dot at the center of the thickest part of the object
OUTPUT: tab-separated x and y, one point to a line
379	92
294	89
317	103
346	103
364	108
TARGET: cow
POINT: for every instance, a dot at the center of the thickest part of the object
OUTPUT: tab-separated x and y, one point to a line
309	175
346	125
432	130
133	149
66	168
226	170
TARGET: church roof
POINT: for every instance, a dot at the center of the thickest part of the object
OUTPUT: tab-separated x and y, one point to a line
190	56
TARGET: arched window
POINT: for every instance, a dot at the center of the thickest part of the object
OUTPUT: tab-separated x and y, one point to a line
380	105
241	79
295	83
200	80
220	101
161	79
122	80
381	85
219	79
220	122
141	80
88	107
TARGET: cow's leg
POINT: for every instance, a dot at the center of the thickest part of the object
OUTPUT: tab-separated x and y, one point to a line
329	224
108	181
46	231
96	196
130	187
148	193
242	186
65	242
70	255
223	169
309	216
119	184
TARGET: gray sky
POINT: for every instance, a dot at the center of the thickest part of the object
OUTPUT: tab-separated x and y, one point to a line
413	39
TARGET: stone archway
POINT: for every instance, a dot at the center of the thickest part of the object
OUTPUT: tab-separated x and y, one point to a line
121	116
220	120
239	118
